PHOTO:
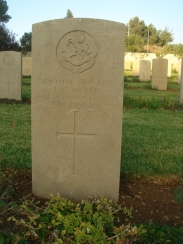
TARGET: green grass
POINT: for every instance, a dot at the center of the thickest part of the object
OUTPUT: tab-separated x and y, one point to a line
152	142
136	93
152	139
26	89
138	90
15	145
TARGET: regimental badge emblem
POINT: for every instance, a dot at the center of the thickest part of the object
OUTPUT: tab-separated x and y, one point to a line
77	51
8	60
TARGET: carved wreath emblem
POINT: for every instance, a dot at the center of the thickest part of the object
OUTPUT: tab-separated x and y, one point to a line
77	51
8	59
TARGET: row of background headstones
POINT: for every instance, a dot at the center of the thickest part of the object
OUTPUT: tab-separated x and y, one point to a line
142	68
172	64
134	65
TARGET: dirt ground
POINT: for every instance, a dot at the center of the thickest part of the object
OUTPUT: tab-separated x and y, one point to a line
151	200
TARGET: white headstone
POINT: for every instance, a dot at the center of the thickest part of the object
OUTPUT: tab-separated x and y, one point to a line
26	66
159	73
145	70
128	64
10	75
135	71
77	103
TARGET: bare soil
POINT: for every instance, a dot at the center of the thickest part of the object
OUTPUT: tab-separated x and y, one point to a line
151	200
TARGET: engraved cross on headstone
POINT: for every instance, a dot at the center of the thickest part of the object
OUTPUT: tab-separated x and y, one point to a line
74	135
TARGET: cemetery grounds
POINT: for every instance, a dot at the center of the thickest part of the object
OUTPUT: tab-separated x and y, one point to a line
151	164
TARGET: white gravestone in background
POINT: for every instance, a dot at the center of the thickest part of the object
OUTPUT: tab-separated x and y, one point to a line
77	103
10	75
159	73
26	66
144	70
135	71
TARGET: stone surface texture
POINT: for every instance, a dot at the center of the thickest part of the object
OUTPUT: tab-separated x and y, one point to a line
10	75
26	66
135	71
159	73
144	70
77	103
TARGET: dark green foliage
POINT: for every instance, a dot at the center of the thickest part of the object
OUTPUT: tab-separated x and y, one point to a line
4	17
5	237
161	234
165	37
134	43
137	27
156	37
151	103
69	14
8	40
176	49
153	35
25	41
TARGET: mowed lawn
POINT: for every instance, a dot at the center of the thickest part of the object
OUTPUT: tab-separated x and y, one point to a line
152	140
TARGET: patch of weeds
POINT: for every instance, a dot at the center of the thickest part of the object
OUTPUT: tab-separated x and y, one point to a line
147	86
6	188
135	79
152	103
6	191
160	234
63	221
125	79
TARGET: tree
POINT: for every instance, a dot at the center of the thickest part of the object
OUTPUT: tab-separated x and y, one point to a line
8	40
4	17
176	49
25	41
136	27
153	35
165	37
69	14
156	37
134	43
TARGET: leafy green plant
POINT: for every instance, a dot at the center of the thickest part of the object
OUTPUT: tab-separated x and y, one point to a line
63	221
5	237
160	234
6	191
160	55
